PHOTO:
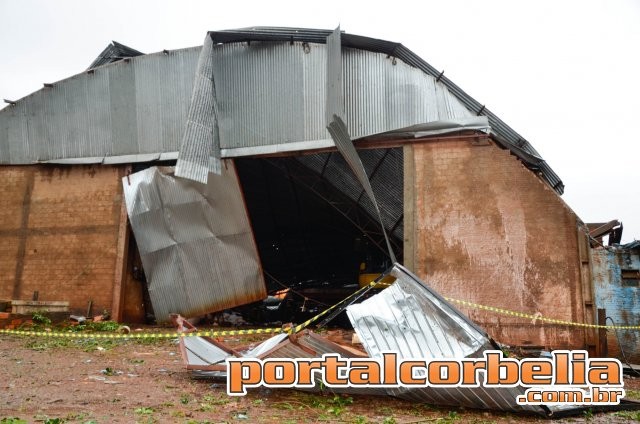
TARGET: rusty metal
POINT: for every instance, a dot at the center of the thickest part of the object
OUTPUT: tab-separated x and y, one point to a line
195	241
415	322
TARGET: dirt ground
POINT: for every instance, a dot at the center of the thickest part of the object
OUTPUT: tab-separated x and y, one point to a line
102	381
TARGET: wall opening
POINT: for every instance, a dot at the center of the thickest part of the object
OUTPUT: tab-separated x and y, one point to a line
316	231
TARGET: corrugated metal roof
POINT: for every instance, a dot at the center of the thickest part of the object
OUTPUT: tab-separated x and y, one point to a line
112	53
195	242
385	170
271	92
504	134
123	108
271	98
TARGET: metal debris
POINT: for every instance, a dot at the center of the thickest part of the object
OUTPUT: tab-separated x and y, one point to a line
195	242
408	318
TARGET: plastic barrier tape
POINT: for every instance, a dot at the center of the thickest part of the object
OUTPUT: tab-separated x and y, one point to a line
540	317
297	328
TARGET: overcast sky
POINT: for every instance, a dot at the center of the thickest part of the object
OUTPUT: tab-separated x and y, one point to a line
564	74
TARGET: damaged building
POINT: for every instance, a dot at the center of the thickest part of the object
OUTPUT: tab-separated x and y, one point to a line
196	180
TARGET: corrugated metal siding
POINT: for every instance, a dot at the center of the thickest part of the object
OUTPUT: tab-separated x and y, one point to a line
334	96
271	93
383	93
200	352
124	108
409	318
320	346
195	242
268	93
508	137
339	133
275	77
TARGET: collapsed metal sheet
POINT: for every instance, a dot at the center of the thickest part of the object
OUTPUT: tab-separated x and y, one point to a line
340	135
335	101
310	345
415	322
411	319
338	129
114	52
195	241
478	123
205	358
200	147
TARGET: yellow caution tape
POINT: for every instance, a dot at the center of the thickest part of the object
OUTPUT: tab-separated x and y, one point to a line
297	328
171	335
541	318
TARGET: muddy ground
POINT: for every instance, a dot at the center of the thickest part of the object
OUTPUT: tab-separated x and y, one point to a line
102	381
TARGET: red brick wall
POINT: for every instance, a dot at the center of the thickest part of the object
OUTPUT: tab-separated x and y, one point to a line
12	191
58	233
487	230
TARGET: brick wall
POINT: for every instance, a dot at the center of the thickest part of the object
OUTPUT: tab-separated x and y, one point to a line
59	233
619	298
484	228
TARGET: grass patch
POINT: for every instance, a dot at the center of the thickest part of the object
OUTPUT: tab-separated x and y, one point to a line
143	411
632	394
43	344
100	326
88	344
628	415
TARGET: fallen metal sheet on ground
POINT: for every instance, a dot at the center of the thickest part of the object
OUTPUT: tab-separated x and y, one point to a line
205	357
414	321
408	318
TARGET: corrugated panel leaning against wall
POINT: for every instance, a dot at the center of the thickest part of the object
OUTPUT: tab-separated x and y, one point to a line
195	242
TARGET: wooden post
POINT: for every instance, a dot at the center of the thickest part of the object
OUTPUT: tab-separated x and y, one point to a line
121	260
409	193
603	349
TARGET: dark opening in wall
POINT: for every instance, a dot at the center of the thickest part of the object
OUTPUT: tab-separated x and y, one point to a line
316	230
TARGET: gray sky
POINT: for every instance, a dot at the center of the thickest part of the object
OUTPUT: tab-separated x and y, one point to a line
564	74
